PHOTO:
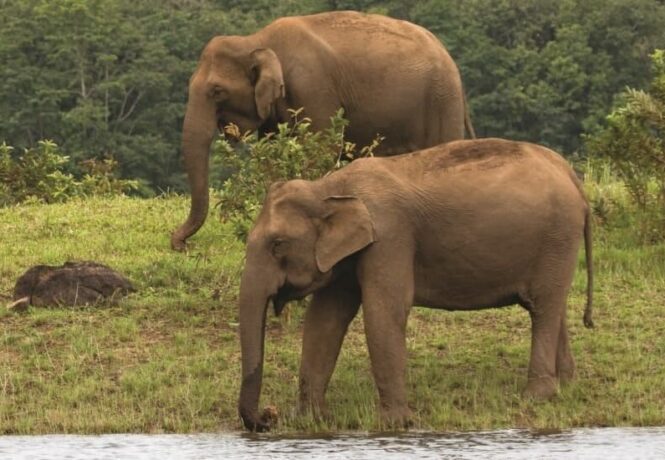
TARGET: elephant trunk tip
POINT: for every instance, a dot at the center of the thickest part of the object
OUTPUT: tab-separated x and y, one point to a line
260	423
194	222
588	322
178	243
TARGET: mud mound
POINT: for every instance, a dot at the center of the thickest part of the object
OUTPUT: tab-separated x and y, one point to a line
71	284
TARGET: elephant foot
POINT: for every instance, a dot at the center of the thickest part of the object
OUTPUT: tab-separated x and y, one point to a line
540	388
566	375
397	418
317	410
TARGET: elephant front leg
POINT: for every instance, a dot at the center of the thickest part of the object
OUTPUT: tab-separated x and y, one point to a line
327	319
386	305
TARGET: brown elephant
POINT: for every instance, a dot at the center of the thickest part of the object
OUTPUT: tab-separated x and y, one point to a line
391	78
462	226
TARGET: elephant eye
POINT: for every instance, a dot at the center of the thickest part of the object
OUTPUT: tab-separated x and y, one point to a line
279	247
217	92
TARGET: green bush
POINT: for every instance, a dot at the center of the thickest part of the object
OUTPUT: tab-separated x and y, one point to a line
42	175
634	143
295	151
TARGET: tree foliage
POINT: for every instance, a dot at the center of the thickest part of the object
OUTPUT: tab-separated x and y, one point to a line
545	71
634	141
42	175
102	77
293	152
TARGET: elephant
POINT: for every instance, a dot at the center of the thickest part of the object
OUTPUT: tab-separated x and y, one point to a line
465	225
390	77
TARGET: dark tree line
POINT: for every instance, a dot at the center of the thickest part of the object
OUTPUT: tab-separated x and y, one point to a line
109	77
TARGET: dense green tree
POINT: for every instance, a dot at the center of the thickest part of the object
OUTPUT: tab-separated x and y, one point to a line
545	71
634	141
103	77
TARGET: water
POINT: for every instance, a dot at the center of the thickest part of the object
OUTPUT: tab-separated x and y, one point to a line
600	443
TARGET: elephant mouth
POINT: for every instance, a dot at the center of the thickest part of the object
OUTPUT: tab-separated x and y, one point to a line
223	125
287	293
231	131
290	292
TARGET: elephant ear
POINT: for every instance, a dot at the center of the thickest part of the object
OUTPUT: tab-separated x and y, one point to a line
346	228
269	84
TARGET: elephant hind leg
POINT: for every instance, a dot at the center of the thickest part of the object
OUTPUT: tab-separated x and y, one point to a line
444	117
565	364
547	315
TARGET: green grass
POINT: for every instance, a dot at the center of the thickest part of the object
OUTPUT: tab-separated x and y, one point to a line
167	358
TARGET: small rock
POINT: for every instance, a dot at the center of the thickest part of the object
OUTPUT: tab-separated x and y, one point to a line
270	415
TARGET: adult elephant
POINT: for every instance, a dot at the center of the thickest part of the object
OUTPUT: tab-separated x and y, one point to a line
415	229
391	77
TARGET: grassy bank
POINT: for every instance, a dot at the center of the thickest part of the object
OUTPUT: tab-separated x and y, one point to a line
167	358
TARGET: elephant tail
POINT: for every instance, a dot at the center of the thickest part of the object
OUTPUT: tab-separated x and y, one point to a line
588	321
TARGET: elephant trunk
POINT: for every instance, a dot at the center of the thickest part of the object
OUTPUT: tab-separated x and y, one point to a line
199	128
253	305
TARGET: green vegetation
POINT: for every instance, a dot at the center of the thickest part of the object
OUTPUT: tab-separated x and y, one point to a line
168	359
293	152
40	175
634	142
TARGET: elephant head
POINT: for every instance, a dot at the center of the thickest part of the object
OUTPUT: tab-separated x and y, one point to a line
294	248
237	81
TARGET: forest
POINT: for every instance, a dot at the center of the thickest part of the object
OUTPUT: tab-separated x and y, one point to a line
107	79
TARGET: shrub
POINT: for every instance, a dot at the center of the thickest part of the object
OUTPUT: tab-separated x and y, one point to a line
41	174
634	142
295	151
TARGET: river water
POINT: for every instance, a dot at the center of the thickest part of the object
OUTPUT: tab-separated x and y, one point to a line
600	443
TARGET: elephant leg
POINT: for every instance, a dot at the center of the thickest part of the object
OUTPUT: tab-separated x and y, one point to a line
547	315
565	364
387	299
445	123
385	328
326	321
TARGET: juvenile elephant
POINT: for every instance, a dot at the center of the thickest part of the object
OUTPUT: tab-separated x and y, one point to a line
391	78
461	226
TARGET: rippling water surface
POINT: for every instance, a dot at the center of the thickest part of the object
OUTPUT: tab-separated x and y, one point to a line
605	443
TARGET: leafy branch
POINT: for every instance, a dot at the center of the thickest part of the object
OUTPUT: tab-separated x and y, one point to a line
295	151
